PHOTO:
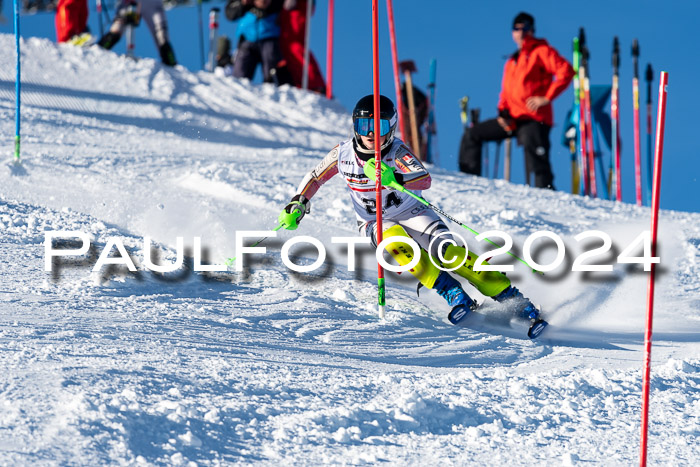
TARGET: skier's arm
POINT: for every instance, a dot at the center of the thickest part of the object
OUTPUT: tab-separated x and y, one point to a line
560	68
323	172
410	172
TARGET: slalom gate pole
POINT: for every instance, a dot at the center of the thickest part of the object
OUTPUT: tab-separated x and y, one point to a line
447	216
329	51
650	175
213	35
377	152
18	84
307	46
201	34
637	143
230	261
397	74
660	122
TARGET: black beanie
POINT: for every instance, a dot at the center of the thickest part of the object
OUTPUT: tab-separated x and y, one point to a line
526	19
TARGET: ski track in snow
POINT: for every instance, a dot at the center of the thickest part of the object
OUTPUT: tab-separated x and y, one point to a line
273	367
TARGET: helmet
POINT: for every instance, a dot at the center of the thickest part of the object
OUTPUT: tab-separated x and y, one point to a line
363	123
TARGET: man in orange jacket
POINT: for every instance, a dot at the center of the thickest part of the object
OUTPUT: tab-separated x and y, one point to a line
533	76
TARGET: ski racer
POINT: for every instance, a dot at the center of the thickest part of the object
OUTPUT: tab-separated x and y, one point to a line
403	215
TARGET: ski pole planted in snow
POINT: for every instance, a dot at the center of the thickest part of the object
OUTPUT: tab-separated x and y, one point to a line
431	154
656	194
213	33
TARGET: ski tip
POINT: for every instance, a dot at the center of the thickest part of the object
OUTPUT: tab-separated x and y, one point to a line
536	329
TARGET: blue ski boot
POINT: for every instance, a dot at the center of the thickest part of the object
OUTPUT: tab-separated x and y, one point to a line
525	309
450	289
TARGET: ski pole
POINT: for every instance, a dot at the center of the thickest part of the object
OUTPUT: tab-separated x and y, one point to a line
444	214
230	261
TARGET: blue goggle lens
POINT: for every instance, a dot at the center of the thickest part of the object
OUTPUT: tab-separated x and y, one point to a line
364	125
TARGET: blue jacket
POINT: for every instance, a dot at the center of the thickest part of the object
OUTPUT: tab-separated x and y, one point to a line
254	29
254	24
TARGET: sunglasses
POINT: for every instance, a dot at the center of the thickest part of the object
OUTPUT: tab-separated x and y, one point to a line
522	28
364	125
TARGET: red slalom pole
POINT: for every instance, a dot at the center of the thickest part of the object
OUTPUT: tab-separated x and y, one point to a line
656	194
395	60
329	50
377	150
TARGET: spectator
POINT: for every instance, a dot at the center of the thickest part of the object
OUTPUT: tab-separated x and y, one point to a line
71	19
532	77
292	40
257	38
153	13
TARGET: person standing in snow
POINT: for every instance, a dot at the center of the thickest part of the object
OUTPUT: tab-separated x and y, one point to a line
131	12
71	19
532	77
292	39
403	215
257	38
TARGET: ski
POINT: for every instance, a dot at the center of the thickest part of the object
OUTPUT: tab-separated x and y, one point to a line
637	143
616	185
650	167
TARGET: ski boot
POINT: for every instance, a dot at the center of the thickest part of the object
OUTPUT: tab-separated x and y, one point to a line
525	309
167	55
462	304
109	40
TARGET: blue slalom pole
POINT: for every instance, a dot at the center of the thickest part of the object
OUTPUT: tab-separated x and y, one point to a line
17	82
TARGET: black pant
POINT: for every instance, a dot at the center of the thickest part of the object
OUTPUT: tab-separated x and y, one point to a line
249	54
533	135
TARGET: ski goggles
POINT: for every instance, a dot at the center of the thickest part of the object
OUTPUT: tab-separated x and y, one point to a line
364	125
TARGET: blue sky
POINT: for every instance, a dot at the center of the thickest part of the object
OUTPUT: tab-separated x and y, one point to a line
471	41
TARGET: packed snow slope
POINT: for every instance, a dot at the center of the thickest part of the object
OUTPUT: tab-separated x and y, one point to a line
269	366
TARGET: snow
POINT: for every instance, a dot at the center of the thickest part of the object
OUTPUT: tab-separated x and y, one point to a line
273	367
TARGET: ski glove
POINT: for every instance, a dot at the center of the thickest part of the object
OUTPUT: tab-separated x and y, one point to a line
292	214
390	178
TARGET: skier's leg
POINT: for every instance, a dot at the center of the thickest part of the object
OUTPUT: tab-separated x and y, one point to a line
534	136
430	275
472	140
489	283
